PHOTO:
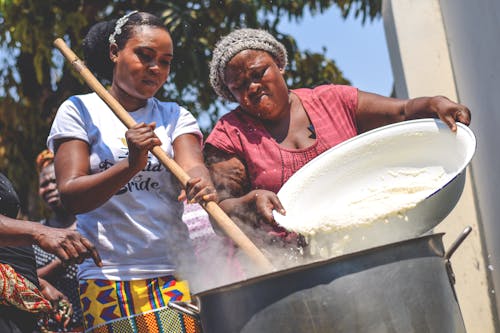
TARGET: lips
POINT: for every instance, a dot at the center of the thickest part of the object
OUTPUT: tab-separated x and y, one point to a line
257	99
52	197
152	83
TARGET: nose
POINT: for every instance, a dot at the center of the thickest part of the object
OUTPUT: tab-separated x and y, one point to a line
254	87
154	67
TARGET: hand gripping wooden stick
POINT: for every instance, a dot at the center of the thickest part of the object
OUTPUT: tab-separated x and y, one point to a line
217	214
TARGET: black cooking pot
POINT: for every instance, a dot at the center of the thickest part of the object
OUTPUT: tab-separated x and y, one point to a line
401	287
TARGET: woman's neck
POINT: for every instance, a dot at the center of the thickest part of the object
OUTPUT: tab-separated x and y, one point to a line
295	131
279	127
129	102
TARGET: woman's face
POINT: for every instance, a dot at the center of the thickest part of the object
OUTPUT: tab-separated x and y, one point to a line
257	83
143	65
47	188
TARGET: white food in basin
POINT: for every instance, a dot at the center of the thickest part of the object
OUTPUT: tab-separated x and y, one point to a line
386	185
397	191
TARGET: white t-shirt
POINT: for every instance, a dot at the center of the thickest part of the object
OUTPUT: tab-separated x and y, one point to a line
139	231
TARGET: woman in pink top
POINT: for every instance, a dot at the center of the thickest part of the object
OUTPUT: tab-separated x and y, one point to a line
253	150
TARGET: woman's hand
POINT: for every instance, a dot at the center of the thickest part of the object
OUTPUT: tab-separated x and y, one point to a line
265	202
199	189
140	139
69	245
187	153
62	307
450	112
51	293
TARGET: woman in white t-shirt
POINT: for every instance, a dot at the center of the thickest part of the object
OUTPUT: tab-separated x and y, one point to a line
125	200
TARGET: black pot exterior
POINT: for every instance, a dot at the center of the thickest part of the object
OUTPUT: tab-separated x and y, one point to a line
400	287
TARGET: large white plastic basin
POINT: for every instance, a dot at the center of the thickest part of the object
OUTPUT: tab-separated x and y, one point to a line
351	166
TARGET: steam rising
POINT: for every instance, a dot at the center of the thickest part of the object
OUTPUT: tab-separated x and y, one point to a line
218	261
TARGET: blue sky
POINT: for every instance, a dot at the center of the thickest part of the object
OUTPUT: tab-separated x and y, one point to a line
360	51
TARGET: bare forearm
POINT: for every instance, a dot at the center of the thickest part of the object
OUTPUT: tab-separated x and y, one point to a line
188	155
421	107
198	170
374	110
438	107
240	208
50	269
67	244
17	232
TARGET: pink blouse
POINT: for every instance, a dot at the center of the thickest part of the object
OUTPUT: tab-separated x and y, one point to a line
331	109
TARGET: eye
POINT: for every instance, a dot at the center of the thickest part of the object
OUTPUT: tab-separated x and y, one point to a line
165	62
258	74
236	86
144	56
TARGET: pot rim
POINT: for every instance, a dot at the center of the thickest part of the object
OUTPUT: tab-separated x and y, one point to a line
437	247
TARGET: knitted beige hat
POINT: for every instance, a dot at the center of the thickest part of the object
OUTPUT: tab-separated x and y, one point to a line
242	39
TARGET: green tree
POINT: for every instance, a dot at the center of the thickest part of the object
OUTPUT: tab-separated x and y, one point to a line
35	79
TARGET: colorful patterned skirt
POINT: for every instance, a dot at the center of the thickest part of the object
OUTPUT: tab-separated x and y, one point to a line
19	292
135	306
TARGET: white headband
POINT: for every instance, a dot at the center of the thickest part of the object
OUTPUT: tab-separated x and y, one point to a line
118	26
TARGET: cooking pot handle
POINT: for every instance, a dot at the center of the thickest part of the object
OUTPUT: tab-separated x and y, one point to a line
187	308
452	250
457	242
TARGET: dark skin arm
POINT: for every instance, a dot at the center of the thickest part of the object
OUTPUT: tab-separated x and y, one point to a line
189	156
373	111
51	269
376	110
68	245
231	181
50	292
55	296
82	192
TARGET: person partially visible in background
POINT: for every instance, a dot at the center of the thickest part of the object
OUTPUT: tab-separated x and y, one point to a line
60	283
21	301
